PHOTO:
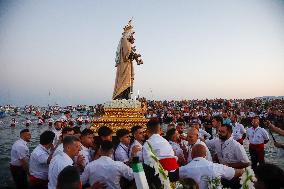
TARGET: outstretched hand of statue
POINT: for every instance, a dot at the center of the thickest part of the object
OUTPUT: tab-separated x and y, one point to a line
135	56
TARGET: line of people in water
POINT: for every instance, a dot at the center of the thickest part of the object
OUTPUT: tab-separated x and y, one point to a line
70	158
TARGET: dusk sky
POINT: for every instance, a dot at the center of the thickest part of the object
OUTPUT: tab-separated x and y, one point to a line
191	49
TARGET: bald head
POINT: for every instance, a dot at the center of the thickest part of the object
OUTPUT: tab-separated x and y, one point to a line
192	135
198	150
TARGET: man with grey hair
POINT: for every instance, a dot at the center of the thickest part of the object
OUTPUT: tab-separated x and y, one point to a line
192	139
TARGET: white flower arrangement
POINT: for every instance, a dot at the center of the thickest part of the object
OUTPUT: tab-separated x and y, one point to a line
214	183
247	179
130	103
155	163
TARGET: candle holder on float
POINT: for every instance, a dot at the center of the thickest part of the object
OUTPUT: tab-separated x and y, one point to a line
121	114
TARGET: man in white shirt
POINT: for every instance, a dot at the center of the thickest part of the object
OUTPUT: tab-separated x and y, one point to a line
19	164
58	132
228	150
71	145
122	150
201	170
139	137
39	161
239	132
87	141
192	138
257	137
172	136
202	135
160	145
66	131
50	122
106	170
217	121
162	149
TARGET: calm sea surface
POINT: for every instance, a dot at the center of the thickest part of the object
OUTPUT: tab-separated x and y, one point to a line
9	135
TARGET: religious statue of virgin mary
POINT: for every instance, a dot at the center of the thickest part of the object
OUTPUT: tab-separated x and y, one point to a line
125	55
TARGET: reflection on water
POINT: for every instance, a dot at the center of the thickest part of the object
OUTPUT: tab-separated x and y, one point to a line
9	135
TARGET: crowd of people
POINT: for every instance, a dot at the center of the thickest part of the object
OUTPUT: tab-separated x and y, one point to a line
202	140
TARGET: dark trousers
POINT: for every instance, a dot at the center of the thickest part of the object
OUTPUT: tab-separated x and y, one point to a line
257	156
20	177
234	183
36	183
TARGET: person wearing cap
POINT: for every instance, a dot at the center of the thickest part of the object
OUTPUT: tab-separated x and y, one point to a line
19	165
106	170
257	137
193	139
71	147
200	169
160	145
39	161
239	132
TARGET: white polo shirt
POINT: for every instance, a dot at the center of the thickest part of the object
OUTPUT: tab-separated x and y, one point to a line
121	153
200	170
238	130
161	147
38	162
87	153
56	139
107	171
257	135
19	151
229	151
177	149
208	154
58	150
203	134
57	164
139	154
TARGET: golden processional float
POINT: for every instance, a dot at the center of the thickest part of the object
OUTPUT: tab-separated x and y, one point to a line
122	111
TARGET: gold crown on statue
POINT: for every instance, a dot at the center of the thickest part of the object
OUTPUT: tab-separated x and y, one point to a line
128	27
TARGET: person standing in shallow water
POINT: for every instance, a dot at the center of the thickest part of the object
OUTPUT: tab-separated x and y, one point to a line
19	165
257	137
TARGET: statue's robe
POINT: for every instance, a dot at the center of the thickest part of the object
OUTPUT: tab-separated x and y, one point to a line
124	73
